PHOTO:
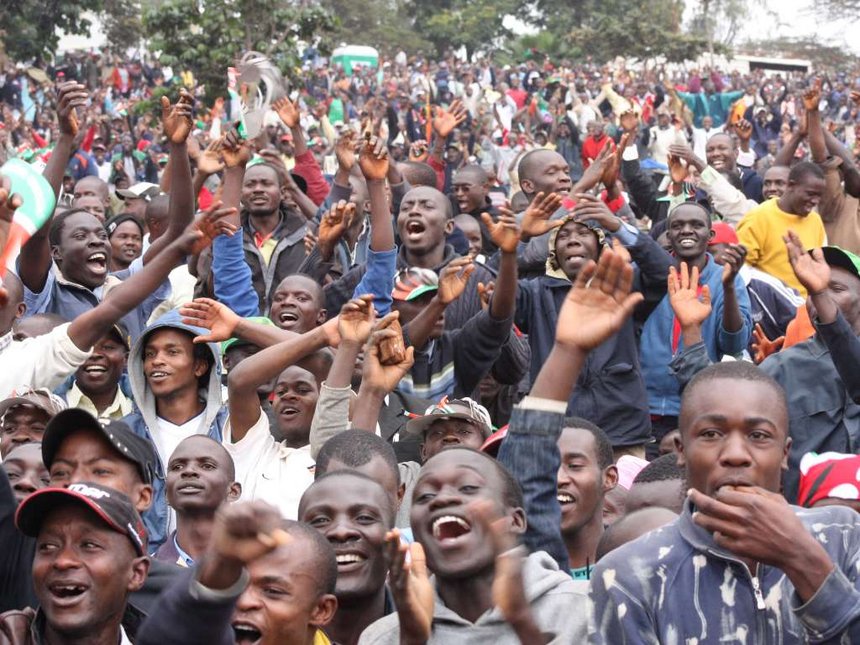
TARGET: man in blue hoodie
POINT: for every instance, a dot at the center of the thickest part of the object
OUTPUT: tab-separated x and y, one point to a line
726	331
176	385
739	564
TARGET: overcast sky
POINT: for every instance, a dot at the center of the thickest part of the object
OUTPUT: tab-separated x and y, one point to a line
795	19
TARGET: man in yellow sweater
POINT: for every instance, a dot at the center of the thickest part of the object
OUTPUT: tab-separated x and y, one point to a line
762	228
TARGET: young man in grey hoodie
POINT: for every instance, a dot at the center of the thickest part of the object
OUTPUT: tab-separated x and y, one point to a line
176	385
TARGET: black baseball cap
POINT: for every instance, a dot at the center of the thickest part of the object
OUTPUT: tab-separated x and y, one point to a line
109	505
129	445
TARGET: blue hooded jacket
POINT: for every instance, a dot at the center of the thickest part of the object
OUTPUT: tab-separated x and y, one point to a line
144	418
664	392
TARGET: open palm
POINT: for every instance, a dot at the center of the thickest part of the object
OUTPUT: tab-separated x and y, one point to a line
536	220
690	308
598	303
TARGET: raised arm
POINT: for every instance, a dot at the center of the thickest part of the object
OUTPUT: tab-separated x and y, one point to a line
452	283
505	234
177	125
35	259
87	328
254	371
691	309
381	372
331	416
811	100
595	308
231	275
814	274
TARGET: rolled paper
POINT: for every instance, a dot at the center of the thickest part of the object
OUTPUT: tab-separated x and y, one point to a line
38	204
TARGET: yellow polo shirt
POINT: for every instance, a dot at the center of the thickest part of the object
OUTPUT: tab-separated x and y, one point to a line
761	231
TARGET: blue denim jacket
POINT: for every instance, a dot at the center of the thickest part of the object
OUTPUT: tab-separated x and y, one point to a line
530	453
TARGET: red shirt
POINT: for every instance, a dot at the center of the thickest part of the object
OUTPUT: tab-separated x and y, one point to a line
591	147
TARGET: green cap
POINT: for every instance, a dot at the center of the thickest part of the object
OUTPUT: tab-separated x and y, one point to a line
227	344
836	257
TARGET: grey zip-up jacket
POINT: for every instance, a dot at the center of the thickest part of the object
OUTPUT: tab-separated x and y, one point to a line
558	604
675	585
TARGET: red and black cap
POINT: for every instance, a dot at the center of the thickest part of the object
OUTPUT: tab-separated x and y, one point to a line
110	506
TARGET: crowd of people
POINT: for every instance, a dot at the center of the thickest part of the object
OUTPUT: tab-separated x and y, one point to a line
445	352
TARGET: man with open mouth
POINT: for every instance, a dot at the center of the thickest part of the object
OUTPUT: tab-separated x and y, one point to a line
100	386
90	555
263	581
66	265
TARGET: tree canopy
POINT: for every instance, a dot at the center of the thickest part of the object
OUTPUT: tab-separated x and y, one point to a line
30	29
208	37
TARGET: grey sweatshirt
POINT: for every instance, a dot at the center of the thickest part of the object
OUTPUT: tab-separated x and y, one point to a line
559	605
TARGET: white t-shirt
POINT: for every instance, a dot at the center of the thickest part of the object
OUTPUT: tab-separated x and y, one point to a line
168	435
269	470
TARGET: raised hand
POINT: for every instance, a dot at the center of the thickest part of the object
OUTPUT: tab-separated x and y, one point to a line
445	121
684	152
812	96
855	96
744	129
690	307
70	96
310	241
345	149
176	119
628	121
594	173
386	359
373	159
218	318
536	220
612	168
411	588
485	292
505	232
591	207
206	227
598	303
677	169
734	257
356	320
763	346
810	268
287	111
246	531
210	160
234	150
333	225
453	279
418	151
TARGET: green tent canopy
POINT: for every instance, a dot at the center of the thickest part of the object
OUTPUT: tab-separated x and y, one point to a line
352	56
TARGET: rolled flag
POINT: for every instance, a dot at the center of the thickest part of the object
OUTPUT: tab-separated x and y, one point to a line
38	204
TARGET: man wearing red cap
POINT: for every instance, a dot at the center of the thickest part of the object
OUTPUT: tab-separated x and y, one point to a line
773	304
